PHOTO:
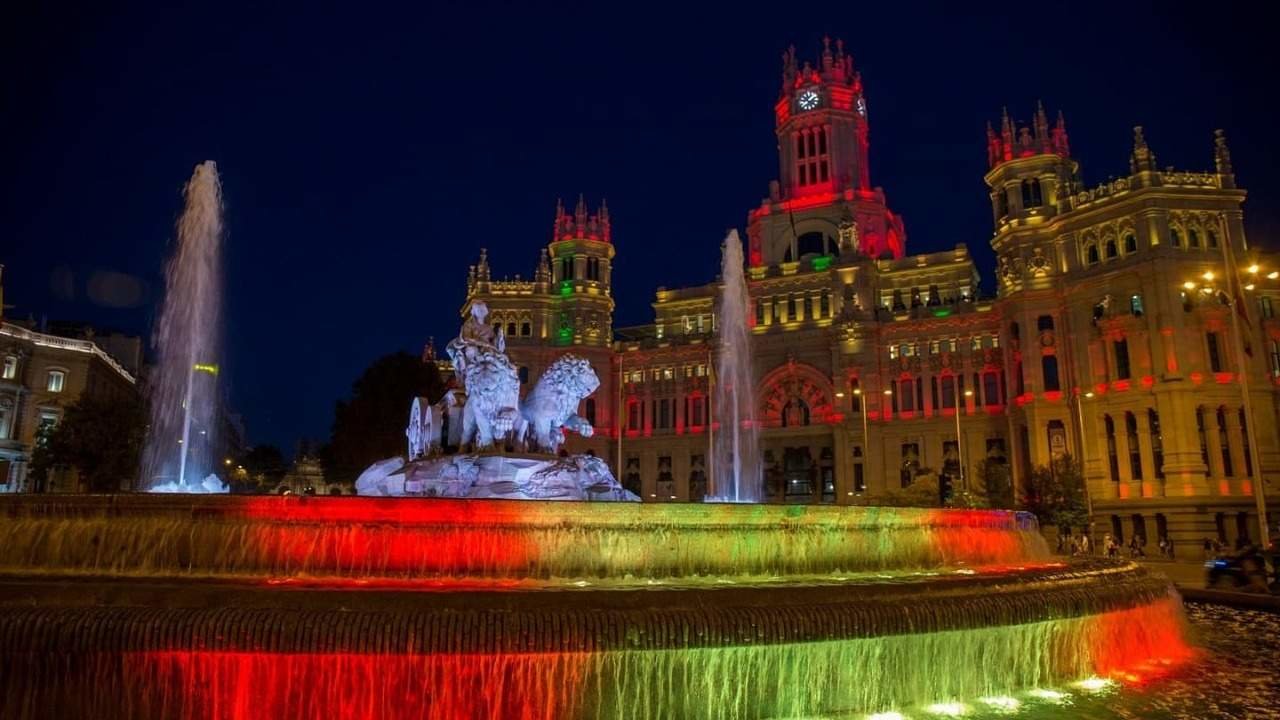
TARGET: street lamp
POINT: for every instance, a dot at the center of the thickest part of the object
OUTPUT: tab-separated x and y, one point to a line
866	443
959	442
1088	496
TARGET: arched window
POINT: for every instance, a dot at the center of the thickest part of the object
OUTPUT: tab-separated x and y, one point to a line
1091	254
1031	194
1112	250
1175	237
526	329
1135	305
511	329
1130	243
811	243
1213	239
1193	238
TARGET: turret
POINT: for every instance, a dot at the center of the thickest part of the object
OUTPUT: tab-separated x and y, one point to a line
1031	168
1142	159
1222	159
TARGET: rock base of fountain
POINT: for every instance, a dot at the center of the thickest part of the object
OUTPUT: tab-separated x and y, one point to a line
211	485
507	477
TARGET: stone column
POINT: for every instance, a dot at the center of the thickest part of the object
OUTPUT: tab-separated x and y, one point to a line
842	447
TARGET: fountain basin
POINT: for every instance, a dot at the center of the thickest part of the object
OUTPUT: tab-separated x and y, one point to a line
184	606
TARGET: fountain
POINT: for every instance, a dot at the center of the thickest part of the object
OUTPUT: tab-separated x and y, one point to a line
182	439
473	595
736	475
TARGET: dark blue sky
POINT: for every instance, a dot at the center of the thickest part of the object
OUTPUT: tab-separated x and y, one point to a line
367	154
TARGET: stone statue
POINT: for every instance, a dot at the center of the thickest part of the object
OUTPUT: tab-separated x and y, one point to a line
490	380
485	414
552	403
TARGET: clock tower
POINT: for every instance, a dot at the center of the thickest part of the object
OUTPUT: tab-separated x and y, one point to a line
823	203
821	121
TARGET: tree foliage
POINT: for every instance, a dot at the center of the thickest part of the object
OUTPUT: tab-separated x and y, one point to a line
1055	493
101	438
370	425
264	468
991	486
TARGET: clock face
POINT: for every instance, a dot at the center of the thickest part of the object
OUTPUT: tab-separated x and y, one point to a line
808	100
862	107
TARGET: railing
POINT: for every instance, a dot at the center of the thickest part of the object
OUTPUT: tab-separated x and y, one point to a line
64	343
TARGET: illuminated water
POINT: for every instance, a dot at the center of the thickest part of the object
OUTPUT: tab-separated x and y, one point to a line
180	606
736	475
182	443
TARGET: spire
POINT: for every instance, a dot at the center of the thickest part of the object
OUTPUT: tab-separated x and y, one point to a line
827	59
994	149
789	70
1221	153
482	267
543	273
1060	144
1042	129
1142	159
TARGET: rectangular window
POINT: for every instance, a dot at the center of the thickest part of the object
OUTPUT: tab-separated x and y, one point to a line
1122	359
633	416
6	419
1267	310
907	389
1275	358
56	378
826	304
698	411
990	389
1228	470
10	368
976	343
893	352
759	312
1215	356
948	391
1135	452
668	373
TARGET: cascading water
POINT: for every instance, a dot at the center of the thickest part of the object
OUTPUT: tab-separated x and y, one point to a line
182	440
737	475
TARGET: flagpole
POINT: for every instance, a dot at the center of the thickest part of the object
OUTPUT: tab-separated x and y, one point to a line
1259	482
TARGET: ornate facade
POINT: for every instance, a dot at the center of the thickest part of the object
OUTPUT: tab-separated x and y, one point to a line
1110	336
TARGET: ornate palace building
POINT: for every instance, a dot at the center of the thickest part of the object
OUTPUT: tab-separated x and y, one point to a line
1111	336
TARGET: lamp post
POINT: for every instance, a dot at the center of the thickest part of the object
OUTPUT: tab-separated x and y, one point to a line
1088	496
959	442
866	445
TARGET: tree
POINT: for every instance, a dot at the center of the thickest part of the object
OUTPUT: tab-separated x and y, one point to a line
101	438
264	467
990	487
1055	493
370	426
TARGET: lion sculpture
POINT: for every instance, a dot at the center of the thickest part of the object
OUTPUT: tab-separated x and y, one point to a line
493	396
553	402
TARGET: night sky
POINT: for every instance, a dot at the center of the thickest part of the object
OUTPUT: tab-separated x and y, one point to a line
367	154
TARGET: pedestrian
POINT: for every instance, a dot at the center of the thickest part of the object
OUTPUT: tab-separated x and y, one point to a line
1085	548
1208	548
1168	546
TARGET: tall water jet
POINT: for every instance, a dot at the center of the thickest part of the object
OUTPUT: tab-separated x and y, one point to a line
184	395
737	475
